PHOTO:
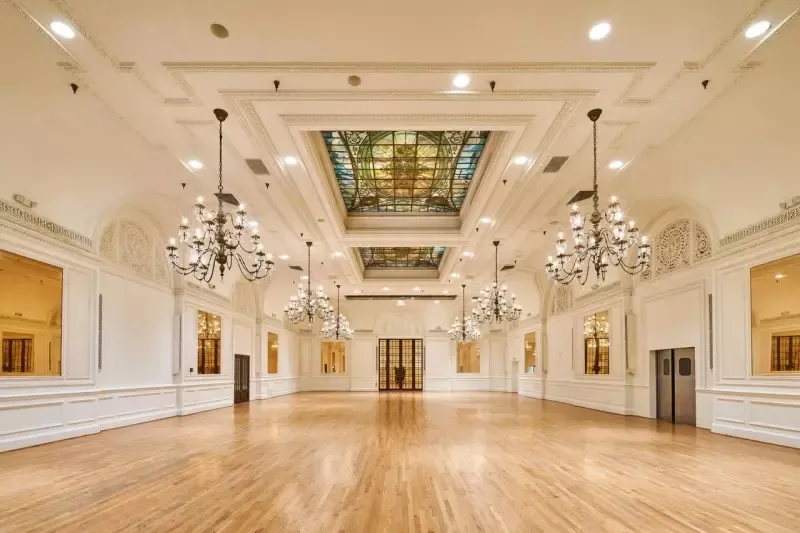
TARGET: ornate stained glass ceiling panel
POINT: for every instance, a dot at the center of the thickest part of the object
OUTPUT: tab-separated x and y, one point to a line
404	171
396	257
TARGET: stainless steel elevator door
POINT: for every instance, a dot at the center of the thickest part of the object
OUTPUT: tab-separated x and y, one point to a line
664	385
684	378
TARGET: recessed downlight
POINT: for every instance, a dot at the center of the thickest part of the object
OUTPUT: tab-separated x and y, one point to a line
195	164
780	276
455	275
486	220
445	291
337	255
616	164
757	29
283	257
520	160
599	31
416	289
461	81
62	29
436	301
401	303
290	160
468	254
304	277
386	289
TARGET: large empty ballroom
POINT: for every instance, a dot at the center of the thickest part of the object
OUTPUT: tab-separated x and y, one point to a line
440	266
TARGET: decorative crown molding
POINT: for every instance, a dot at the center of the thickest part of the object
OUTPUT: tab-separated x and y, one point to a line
44	226
781	219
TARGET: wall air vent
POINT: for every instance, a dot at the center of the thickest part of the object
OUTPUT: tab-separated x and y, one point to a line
555	163
296	267
257	166
391	297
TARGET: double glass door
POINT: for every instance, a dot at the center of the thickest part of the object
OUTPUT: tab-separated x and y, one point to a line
400	364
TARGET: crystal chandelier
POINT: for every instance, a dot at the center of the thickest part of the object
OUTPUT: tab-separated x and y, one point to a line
492	303
608	240
595	327
464	330
308	303
336	326
218	241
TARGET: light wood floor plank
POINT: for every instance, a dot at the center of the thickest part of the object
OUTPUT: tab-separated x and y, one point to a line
401	463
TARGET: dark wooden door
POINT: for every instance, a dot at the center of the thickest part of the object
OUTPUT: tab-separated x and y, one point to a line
400	364
241	378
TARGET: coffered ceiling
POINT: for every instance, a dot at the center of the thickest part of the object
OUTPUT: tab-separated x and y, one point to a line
366	144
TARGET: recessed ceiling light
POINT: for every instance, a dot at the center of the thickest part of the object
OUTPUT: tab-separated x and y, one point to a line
468	254
616	164
436	301
445	291
416	289
290	160
461	81
520	160
62	29
304	277
283	257
195	164
401	303
486	220
386	289
757	29
253	224
780	276
356	291
337	254
455	275
599	31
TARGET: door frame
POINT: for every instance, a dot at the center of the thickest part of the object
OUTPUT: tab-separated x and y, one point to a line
241	393
673	370
413	341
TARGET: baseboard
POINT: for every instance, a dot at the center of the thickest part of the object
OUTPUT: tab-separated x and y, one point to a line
48	436
205	406
530	395
771	437
597	406
138	418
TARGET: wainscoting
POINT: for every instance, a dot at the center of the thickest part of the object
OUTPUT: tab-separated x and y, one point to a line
772	417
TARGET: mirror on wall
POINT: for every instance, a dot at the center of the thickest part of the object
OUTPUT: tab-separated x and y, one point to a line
596	343
209	343
333	357
30	316
530	352
272	353
468	357
775	316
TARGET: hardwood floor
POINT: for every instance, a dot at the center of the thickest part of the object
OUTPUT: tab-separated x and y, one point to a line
401	462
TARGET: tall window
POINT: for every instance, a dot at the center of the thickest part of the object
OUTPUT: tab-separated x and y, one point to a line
272	353
785	353
775	316
530	352
595	343
30	316
209	343
468	357
333	357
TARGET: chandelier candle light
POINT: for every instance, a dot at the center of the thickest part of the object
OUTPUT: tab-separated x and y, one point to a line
464	330
492	303
607	241
308	303
336	326
218	240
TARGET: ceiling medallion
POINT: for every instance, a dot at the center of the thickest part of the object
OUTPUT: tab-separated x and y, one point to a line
607	241
464	329
217	241
492	303
336	327
308	303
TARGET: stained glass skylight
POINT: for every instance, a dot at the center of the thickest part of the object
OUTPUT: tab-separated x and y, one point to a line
398	257
404	171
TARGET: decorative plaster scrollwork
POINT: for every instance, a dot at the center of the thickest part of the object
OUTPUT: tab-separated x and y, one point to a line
108	242
680	243
136	248
243	300
562	300
702	243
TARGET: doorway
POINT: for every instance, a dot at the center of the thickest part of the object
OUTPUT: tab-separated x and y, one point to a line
400	364
241	378
675	386
515	376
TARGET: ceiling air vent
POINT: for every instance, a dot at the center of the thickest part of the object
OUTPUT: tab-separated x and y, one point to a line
296	267
506	267
555	163
404	297
257	166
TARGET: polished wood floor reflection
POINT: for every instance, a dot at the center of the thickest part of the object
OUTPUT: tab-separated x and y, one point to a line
401	462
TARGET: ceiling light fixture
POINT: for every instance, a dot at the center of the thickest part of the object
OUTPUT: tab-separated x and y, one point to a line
492	304
62	29
445	291
468	254
455	275
599	31
616	164
757	29
218	240
595	248
335	326
283	257
195	164
416	289
307	304
436	301
780	276
461	81
520	160
486	220
464	330
337	254
386	289
401	303
290	160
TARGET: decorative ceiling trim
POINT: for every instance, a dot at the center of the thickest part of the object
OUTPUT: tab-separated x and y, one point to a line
44	226
315	120
328	96
782	219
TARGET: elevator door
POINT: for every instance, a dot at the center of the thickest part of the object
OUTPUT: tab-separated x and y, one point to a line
675	386
400	364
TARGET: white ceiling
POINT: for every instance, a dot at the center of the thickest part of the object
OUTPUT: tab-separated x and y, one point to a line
150	72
